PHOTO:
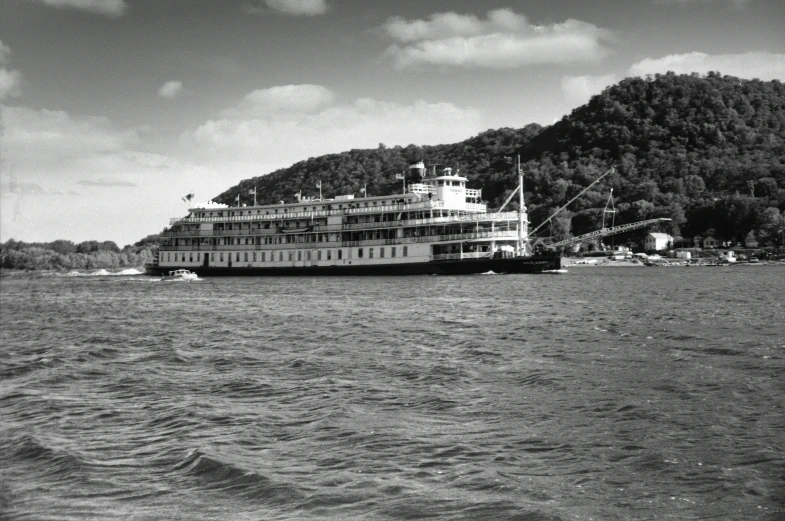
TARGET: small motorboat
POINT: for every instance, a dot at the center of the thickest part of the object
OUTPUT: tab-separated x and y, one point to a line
184	275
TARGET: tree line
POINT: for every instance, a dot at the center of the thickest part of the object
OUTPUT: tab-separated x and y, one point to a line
87	255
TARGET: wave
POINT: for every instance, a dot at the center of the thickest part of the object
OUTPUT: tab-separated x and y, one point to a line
221	475
27	448
103	273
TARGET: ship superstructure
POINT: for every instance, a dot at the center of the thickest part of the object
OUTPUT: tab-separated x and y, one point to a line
436	225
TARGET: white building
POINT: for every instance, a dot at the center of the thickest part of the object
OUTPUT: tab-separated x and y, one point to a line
657	241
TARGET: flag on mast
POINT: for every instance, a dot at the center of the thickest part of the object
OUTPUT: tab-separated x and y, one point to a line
254	195
362	190
188	198
237	199
399	176
319	186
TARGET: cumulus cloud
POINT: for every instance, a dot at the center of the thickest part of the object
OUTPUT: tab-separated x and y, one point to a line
171	89
52	153
504	40
761	64
5	52
10	79
289	7
14	188
104	181
739	4
111	8
579	89
10	83
322	126
285	99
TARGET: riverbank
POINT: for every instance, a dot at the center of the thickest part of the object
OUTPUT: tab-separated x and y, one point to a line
582	262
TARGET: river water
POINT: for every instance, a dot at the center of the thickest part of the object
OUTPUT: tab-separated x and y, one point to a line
600	394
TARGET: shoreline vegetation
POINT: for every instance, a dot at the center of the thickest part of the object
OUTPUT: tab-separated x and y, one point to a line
63	256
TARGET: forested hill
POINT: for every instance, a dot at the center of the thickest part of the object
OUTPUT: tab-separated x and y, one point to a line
709	152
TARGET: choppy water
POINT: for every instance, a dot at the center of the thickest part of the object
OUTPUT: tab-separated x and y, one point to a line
607	393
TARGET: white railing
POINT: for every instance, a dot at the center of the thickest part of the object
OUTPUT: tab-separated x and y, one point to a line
306	215
460	256
503	216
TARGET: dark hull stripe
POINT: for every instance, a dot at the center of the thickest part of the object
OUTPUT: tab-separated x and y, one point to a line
533	264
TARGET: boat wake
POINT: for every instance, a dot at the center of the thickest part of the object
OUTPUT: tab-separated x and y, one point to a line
102	273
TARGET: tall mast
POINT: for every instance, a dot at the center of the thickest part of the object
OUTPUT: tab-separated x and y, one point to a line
521	209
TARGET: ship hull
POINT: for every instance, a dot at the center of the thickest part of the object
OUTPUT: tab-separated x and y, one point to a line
530	264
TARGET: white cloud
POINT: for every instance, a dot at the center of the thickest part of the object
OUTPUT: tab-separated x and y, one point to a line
52	153
285	99
761	64
111	8
10	79
579	89
104	181
171	89
504	40
5	52
10	83
738	4
290	7
284	137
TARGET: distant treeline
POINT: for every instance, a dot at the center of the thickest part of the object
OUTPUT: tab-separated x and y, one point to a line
705	151
87	255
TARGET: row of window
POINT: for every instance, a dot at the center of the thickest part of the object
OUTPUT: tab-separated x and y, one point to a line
263	257
297	209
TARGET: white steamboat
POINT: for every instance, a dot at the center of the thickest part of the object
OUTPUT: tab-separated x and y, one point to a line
437	226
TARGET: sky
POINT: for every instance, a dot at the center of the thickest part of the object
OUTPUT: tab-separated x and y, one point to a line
113	110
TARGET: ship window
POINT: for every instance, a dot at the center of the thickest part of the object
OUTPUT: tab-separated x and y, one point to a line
319	255
309	254
329	254
245	257
340	254
237	256
299	255
370	253
381	253
405	251
280	256
359	253
212	257
221	256
392	253
183	257
291	255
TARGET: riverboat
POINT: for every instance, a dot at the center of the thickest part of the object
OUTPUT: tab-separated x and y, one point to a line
436	226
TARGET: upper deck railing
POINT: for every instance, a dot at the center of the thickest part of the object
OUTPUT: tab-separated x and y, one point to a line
424	205
463	218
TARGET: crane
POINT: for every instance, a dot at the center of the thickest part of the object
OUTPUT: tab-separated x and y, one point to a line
604	232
